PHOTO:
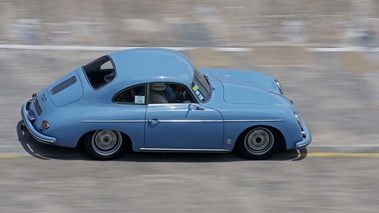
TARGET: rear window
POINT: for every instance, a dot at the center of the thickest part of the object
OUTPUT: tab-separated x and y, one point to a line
100	72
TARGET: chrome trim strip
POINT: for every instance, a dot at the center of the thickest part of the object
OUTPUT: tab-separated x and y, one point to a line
114	121
181	150
258	120
181	121
191	121
217	121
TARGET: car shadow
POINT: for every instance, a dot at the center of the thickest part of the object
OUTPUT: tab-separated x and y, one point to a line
48	152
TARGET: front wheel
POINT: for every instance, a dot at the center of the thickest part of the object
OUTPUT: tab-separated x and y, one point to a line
258	143
105	144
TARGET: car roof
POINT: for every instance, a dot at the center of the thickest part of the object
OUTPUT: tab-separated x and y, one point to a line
142	65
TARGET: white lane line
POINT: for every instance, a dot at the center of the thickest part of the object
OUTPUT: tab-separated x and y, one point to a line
344	146
220	49
343	49
30	147
9	146
345	154
79	48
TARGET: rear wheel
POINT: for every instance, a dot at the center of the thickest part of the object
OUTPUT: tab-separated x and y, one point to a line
258	143
105	144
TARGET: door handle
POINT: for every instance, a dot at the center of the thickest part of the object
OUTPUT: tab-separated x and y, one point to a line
154	121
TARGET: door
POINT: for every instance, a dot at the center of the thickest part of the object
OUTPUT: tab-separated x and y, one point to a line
183	126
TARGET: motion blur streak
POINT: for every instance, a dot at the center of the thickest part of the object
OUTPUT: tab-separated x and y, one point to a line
334	154
325	54
190	23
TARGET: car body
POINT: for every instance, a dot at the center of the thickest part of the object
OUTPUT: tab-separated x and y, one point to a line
108	104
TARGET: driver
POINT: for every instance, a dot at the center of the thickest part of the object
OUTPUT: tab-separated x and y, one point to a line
175	93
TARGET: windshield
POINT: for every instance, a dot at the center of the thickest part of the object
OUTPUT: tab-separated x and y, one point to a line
201	87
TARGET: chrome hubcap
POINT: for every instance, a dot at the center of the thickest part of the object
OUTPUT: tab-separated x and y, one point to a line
106	142
259	141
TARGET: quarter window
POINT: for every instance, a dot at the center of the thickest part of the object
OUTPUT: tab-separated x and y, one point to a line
131	95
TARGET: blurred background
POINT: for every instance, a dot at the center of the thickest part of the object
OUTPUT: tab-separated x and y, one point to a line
325	53
209	23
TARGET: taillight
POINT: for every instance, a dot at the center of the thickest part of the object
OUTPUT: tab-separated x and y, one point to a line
45	124
34	95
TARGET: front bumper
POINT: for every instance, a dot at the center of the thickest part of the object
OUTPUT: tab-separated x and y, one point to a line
307	138
29	126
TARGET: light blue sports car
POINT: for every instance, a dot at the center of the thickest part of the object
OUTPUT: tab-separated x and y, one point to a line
156	100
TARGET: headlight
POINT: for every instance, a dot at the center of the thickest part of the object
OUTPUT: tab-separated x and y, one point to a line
299	120
279	86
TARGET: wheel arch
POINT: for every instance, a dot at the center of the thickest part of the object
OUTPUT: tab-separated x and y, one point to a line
124	136
277	134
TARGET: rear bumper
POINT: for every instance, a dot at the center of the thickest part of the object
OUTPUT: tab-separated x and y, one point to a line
29	126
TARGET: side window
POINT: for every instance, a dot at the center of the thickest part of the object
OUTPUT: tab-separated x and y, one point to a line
131	95
177	93
100	72
161	92
158	93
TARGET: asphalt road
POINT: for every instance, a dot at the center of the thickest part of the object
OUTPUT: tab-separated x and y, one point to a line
337	173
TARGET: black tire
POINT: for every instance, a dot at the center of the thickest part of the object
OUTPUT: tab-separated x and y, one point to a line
105	144
258	143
